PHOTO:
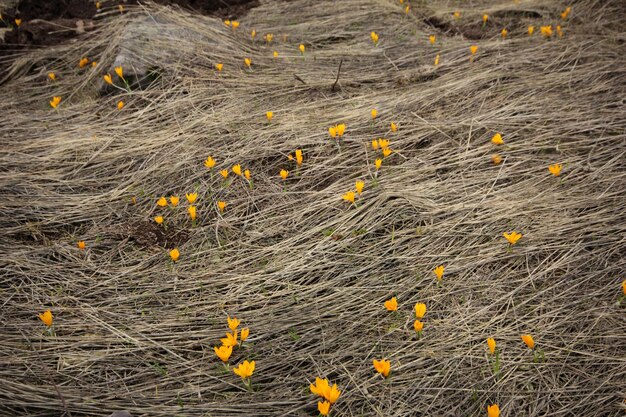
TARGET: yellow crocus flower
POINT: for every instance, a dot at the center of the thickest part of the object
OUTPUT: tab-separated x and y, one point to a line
382	366
512	237
223	352
528	339
233	323
391	304
439	272
191	197
245	369
210	162
46	317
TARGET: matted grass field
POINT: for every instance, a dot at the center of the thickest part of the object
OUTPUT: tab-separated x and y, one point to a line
307	272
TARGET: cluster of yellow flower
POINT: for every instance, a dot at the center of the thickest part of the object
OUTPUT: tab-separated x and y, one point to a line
330	394
223	352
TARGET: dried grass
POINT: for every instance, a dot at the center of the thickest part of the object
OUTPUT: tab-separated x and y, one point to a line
305	272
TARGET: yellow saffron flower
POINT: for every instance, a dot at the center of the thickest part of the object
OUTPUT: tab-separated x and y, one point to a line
192	212
158	219
491	342
378	163
55	101
81	244
94	64
52	76
457	15
275	54
46	317
473	49
223	352
233	323
320	386
340	129
221	205
18	22
349	196
531	30
234	24
420	310
497	139
248	62
245	332
174	254
496	159
162	202
374	113
566	13
323	407
359	186
437	60
174	200
546	31
375	144
512	237
209	163
191	197
224	173
283	174
219	67
393	126
230	339
374	37
301	48
108	79
119	71
528	339
559	31
83	62
387	152
493	410
299	157
407	9
555	169
432	39
383	143
418	326
120	105
439	272
504	32
245	369
485	18
269	115
246	174
332	131
237	169
332	394
227	22
253	34
268	37
391	304
382	366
